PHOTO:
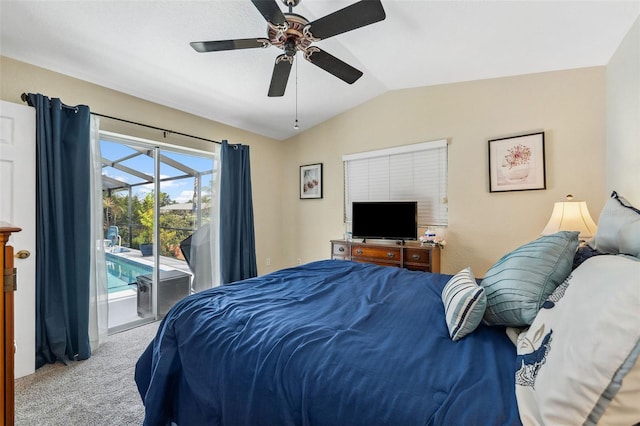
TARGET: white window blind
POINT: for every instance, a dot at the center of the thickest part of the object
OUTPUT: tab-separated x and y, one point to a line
415	172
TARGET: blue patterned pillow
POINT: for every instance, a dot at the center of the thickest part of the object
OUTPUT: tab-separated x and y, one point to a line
519	283
464	304
579	362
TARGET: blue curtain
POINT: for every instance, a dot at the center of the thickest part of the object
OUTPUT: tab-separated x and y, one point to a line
63	245
237	237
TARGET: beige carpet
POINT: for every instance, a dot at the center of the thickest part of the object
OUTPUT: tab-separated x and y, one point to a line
98	391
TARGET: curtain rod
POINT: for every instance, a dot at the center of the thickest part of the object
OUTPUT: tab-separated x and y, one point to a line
24	98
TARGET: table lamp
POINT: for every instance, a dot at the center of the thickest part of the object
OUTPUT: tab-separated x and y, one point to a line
571	216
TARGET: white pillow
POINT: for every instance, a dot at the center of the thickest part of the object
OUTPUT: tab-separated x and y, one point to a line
464	304
629	239
623	409
616	214
578	362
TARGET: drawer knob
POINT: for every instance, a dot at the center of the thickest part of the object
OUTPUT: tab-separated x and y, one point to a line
341	249
416	257
359	251
390	255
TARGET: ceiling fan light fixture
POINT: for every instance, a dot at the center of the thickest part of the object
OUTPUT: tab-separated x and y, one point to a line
290	48
291	33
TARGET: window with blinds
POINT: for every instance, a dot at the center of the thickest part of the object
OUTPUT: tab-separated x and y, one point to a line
415	172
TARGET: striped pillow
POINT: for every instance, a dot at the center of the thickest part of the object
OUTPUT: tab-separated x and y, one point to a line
464	304
518	284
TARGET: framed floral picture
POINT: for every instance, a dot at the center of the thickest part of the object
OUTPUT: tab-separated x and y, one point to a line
311	181
517	163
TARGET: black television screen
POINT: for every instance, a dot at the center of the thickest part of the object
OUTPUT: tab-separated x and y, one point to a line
397	220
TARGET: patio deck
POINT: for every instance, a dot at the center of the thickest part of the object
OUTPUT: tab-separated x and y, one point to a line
165	261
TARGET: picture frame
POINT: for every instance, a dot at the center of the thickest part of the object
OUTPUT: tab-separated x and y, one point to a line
311	181
517	163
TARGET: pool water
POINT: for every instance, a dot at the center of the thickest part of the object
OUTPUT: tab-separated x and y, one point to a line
122	272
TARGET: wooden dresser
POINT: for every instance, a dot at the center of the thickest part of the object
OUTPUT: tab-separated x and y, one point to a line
7	351
410	256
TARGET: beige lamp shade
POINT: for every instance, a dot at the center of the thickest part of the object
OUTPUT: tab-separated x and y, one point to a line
571	216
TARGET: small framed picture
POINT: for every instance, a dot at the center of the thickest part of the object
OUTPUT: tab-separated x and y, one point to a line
311	181
517	163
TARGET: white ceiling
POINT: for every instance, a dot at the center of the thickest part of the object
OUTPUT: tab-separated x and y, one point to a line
142	48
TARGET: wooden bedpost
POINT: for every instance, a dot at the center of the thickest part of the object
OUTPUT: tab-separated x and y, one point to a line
7	347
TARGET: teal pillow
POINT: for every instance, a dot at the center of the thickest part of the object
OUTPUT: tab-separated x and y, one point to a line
464	303
519	283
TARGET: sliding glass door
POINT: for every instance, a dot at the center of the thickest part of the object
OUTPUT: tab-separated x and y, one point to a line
155	198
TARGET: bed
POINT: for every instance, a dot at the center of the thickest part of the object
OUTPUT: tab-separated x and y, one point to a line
342	343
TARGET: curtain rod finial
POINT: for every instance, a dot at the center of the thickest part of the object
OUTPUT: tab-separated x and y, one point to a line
24	97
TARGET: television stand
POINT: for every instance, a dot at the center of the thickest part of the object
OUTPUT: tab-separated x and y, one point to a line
410	255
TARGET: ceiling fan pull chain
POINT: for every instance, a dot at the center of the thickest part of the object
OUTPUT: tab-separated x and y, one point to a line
295	123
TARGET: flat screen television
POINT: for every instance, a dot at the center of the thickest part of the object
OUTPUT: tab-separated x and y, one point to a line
394	220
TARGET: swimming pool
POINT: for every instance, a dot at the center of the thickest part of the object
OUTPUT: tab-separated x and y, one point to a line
122	272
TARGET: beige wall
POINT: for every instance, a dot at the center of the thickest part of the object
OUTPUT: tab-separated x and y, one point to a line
569	106
266	154
623	118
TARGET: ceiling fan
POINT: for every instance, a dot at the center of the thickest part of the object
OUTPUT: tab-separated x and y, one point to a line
292	33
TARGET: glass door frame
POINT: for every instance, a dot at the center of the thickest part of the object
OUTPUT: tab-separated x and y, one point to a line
155	147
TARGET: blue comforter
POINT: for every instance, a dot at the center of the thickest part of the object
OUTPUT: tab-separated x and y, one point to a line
326	343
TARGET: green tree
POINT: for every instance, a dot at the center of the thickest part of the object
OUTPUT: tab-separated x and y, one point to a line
145	219
175	225
121	220
112	209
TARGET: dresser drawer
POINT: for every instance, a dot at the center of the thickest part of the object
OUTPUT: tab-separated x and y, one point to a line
425	259
340	251
417	256
376	253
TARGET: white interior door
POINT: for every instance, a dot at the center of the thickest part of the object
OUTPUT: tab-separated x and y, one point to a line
17	206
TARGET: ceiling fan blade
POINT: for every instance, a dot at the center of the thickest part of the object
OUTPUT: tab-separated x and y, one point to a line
333	65
216	46
271	11
280	75
364	12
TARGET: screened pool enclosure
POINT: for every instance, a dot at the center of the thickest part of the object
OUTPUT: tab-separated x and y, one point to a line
153	197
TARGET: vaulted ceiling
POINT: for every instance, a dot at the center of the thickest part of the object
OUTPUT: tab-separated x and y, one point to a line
142	48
